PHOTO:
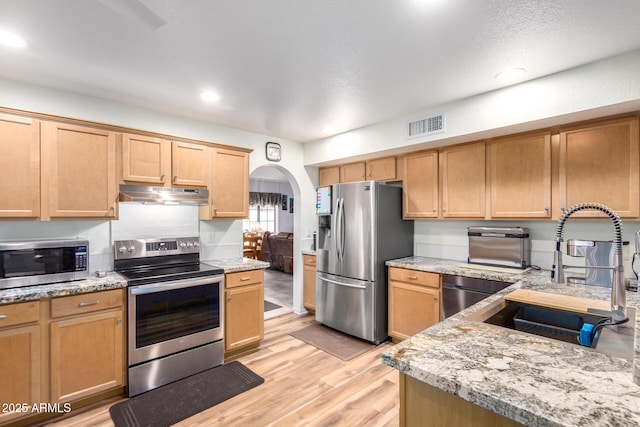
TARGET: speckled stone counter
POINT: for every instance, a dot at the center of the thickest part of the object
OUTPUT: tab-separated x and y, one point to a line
233	265
309	252
33	293
535	381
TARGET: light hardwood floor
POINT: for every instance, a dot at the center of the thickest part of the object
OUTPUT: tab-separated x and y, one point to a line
303	386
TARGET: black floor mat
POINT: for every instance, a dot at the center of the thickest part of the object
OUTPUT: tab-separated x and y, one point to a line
174	402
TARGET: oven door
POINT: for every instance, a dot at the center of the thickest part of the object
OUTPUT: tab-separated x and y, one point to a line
169	317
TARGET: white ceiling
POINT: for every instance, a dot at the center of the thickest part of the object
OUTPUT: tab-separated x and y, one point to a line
286	68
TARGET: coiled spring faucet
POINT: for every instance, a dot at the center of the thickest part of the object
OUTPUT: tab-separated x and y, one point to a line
618	295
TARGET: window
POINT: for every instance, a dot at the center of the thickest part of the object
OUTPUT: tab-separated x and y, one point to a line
264	216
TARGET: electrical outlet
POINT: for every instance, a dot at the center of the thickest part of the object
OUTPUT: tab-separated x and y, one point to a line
211	237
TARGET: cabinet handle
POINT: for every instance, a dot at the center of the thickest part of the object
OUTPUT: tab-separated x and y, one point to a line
434	210
244	279
3	316
162	176
562	209
88	303
435	298
119	321
444	210
175	178
229	299
412	277
546	208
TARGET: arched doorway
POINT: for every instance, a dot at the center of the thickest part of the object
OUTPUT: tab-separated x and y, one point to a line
280	221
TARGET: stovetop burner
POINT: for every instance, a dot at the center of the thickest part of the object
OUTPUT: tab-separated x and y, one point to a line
145	261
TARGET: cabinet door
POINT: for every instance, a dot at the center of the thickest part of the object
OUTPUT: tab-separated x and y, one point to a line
381	169
19	167
190	164
462	178
19	368
146	159
86	355
244	316
328	176
78	172
521	177
230	187
352	172
412	308
309	282
420	186
599	164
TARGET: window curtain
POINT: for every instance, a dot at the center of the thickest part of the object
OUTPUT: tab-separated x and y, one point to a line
264	199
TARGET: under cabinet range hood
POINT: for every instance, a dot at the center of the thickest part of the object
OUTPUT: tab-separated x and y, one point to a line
163	195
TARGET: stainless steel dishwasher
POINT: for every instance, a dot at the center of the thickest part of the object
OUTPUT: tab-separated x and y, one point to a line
460	292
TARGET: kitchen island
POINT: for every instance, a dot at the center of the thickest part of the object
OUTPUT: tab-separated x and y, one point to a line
520	377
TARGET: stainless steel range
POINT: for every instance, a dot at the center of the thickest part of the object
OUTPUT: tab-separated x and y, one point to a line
175	318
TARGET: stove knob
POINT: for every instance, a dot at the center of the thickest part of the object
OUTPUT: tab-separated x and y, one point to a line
196	244
131	248
183	245
189	244
122	249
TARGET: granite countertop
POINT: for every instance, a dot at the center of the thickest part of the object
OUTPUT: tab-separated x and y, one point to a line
533	380
33	293
308	252
111	281
233	265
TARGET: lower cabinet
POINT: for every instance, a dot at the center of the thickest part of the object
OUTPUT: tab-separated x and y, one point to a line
243	310
414	302
309	282
60	351
86	348
20	358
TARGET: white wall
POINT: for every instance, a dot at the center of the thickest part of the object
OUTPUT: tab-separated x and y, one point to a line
221	238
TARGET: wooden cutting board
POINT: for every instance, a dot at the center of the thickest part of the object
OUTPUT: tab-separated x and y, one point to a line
563	302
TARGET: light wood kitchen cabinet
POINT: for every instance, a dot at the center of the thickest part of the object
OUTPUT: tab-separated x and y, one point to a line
20	356
86	345
328	176
78	173
599	162
520	170
420	401
382	169
309	282
19	167
157	161
229	190
414	302
353	172
243	310
420	185
462	181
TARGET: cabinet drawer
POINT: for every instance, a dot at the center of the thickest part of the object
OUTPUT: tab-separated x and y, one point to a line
243	278
17	314
310	260
414	276
86	303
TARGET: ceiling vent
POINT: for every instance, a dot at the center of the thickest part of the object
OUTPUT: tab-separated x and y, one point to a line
425	126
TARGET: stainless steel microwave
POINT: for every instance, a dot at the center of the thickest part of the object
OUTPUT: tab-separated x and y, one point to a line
42	262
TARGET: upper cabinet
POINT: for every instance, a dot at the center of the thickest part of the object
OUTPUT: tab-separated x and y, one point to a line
229	190
78	172
328	176
420	185
599	163
382	169
156	161
520	171
19	167
462	181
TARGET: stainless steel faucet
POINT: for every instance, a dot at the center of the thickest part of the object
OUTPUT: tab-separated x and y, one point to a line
618	295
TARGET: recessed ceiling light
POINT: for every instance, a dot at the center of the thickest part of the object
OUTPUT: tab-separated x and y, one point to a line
210	96
510	74
328	130
12	40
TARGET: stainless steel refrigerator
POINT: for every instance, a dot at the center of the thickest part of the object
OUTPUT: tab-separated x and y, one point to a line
360	226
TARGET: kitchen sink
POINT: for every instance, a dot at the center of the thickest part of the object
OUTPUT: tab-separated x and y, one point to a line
561	325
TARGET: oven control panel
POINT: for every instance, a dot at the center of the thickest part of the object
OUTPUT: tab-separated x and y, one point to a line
142	248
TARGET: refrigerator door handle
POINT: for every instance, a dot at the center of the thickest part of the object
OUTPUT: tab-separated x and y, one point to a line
338	229
342	230
335	282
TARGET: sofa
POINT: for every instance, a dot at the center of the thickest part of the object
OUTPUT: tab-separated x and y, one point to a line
277	250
